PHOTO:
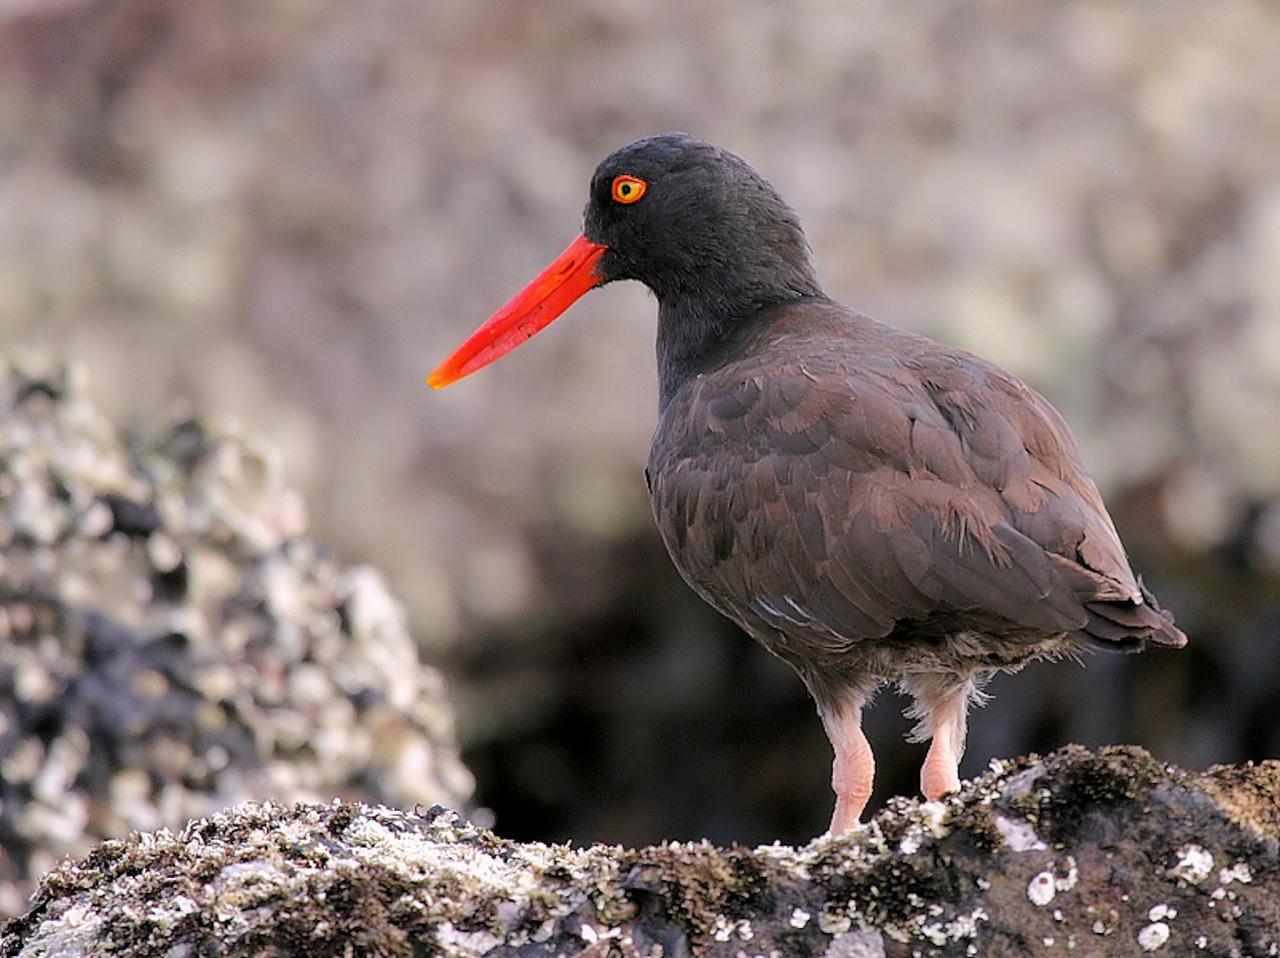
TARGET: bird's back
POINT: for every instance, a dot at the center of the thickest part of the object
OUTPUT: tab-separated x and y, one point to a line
864	499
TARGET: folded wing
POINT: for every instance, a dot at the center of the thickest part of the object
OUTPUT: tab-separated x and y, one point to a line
932	491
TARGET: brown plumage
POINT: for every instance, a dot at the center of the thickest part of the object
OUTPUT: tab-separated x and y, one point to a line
866	503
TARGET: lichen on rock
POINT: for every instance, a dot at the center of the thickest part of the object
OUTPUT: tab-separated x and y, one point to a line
931	879
172	642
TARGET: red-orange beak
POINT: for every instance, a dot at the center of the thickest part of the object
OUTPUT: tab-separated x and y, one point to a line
552	291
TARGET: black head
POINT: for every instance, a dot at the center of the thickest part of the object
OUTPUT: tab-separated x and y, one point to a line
691	221
704	225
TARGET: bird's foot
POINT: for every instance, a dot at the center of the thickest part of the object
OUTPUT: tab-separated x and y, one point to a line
939	776
941	772
847	816
852	772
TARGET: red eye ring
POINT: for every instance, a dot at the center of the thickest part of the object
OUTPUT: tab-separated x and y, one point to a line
627	188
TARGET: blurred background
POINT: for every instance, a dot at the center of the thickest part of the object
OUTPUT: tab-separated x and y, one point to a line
285	213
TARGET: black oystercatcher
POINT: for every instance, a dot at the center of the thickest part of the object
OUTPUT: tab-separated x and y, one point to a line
869	504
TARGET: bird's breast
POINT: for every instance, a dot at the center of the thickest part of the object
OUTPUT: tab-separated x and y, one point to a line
738	513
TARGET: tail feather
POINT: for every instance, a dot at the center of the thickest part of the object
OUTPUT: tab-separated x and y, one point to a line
1123	615
1166	632
1128	626
1119	638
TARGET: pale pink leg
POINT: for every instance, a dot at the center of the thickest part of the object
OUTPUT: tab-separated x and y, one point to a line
853	770
940	775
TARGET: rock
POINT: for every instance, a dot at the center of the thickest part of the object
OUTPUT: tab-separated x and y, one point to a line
172	642
1107	853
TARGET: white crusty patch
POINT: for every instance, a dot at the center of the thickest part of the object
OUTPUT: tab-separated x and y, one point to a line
477	942
1153	936
1071	878
853	944
1194	864
1040	890
1237	872
1019	835
932	824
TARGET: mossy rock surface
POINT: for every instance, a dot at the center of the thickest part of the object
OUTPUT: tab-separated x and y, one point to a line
1083	853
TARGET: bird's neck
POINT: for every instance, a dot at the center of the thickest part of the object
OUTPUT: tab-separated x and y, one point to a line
696	332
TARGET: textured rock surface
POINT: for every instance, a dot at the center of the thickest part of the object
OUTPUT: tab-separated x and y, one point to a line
1081	853
171	641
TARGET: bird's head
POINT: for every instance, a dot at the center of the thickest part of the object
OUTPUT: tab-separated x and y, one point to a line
689	220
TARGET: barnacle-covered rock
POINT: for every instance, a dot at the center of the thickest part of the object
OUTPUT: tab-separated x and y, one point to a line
172	643
1078	853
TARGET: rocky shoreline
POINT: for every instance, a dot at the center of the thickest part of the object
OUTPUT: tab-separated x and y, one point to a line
1107	853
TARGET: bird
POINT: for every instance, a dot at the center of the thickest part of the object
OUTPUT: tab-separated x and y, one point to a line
872	506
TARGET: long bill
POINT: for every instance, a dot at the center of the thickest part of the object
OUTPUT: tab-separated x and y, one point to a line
552	291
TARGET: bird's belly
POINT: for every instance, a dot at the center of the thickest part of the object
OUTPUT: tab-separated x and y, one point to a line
909	652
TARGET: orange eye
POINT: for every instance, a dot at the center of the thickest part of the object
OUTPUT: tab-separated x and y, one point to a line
628	189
